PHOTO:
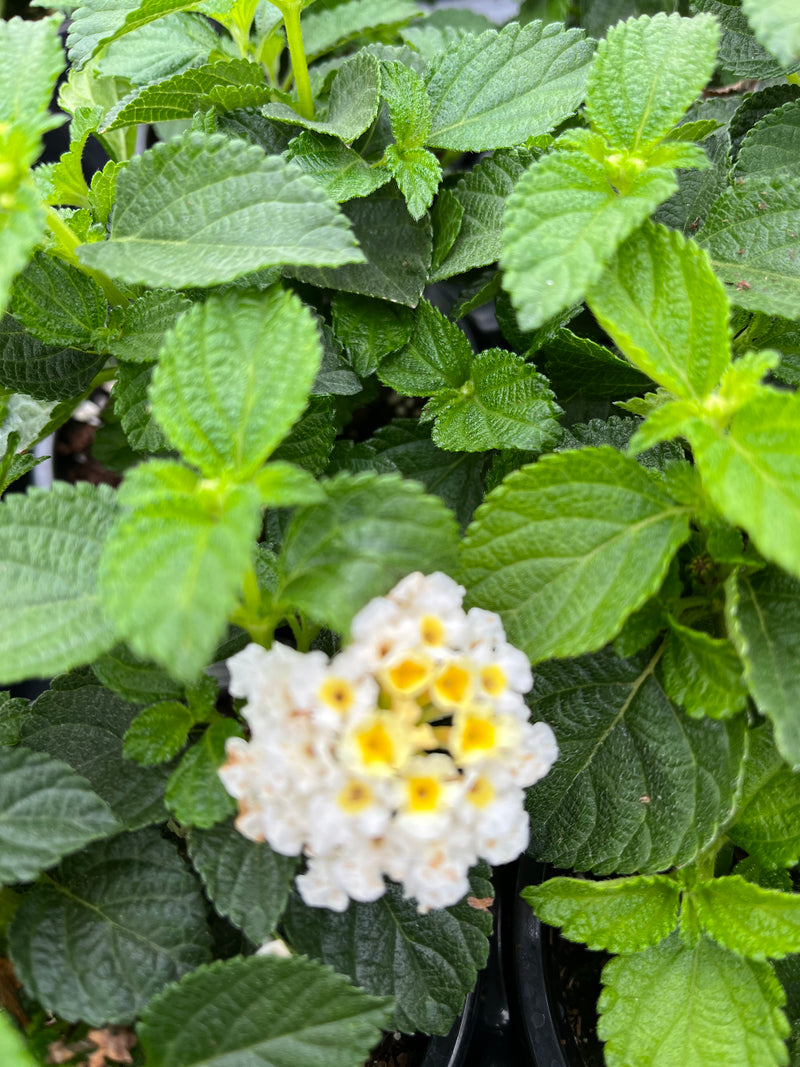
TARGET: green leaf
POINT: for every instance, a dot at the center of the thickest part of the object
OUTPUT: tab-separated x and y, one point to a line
158	733
619	915
310	440
752	473
446	217
52	615
85	727
481	195
417	173
134	679
578	366
132	406
681	777
224	85
662	62
427	962
259	1012
160	49
505	403
371	531
504	86
325	28
764	615
245	880
221	389
195	793
752	235
99	22
563	223
397	250
201	210
118	923
352	104
44	371
13	1049
592	520
31	60
341	171
437	356
772	145
409	106
702	673
21	229
283	484
46	812
748	919
776	24
767	822
144	324
12	711
698	188
369	329
739	51
696	1005
172	568
665	310
59	304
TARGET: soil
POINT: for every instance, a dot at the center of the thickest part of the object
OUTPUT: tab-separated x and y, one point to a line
399	1050
575	984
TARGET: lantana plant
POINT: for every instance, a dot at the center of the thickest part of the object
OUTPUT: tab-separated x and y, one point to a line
386	594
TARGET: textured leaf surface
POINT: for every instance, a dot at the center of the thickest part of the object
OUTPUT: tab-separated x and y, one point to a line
85	728
702	673
563	223
340	170
20	232
663	62
593	521
98	22
158	733
427	962
245	880
776	24
324	28
681	777
764	628
417	173
145	322
52	615
753	237
46	812
172	569
202	210
31	62
132	407
371	531
505	403
233	375
579	366
59	304
43	371
767	822
262	1012
194	791
118	923
714	1008
773	144
619	915
498	89
662	305
160	49
752	474
748	919
739	51
369	329
134	679
409	106
437	356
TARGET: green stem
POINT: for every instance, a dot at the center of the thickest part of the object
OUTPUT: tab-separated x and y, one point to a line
294	39
68	241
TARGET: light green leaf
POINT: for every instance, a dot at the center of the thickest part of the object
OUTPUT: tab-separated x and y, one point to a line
46	812
262	1012
592	520
85	727
409	106
283	484
695	1005
158	733
13	1049
340	170
371	531
665	310
504	86
370	329
752	473
446	216
52	615
134	679
396	248
748	919
31	60
773	144
43	371
681	777
698	189
21	229
160	49
563	223
417	173
482	195
427	962
172	568
702	673
145	321
619	915
132	407
221	389
326	28
739	51
505	403
224	84
117	923
437	356
646	74
753	237
194	793
200	210
352	104
776	24
59	304
245	880
764	615
97	22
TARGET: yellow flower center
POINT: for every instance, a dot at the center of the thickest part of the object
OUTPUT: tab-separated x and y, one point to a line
423	793
481	792
354	797
375	745
431	630
337	693
493	679
410	675
452	686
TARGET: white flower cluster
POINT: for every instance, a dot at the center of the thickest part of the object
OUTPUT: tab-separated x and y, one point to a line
405	755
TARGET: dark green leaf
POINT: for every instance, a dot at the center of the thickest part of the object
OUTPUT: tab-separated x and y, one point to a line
194	791
702	673
739	51
45	371
145	322
340	170
132	406
767	822
158	733
135	679
437	356
59	304
369	329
